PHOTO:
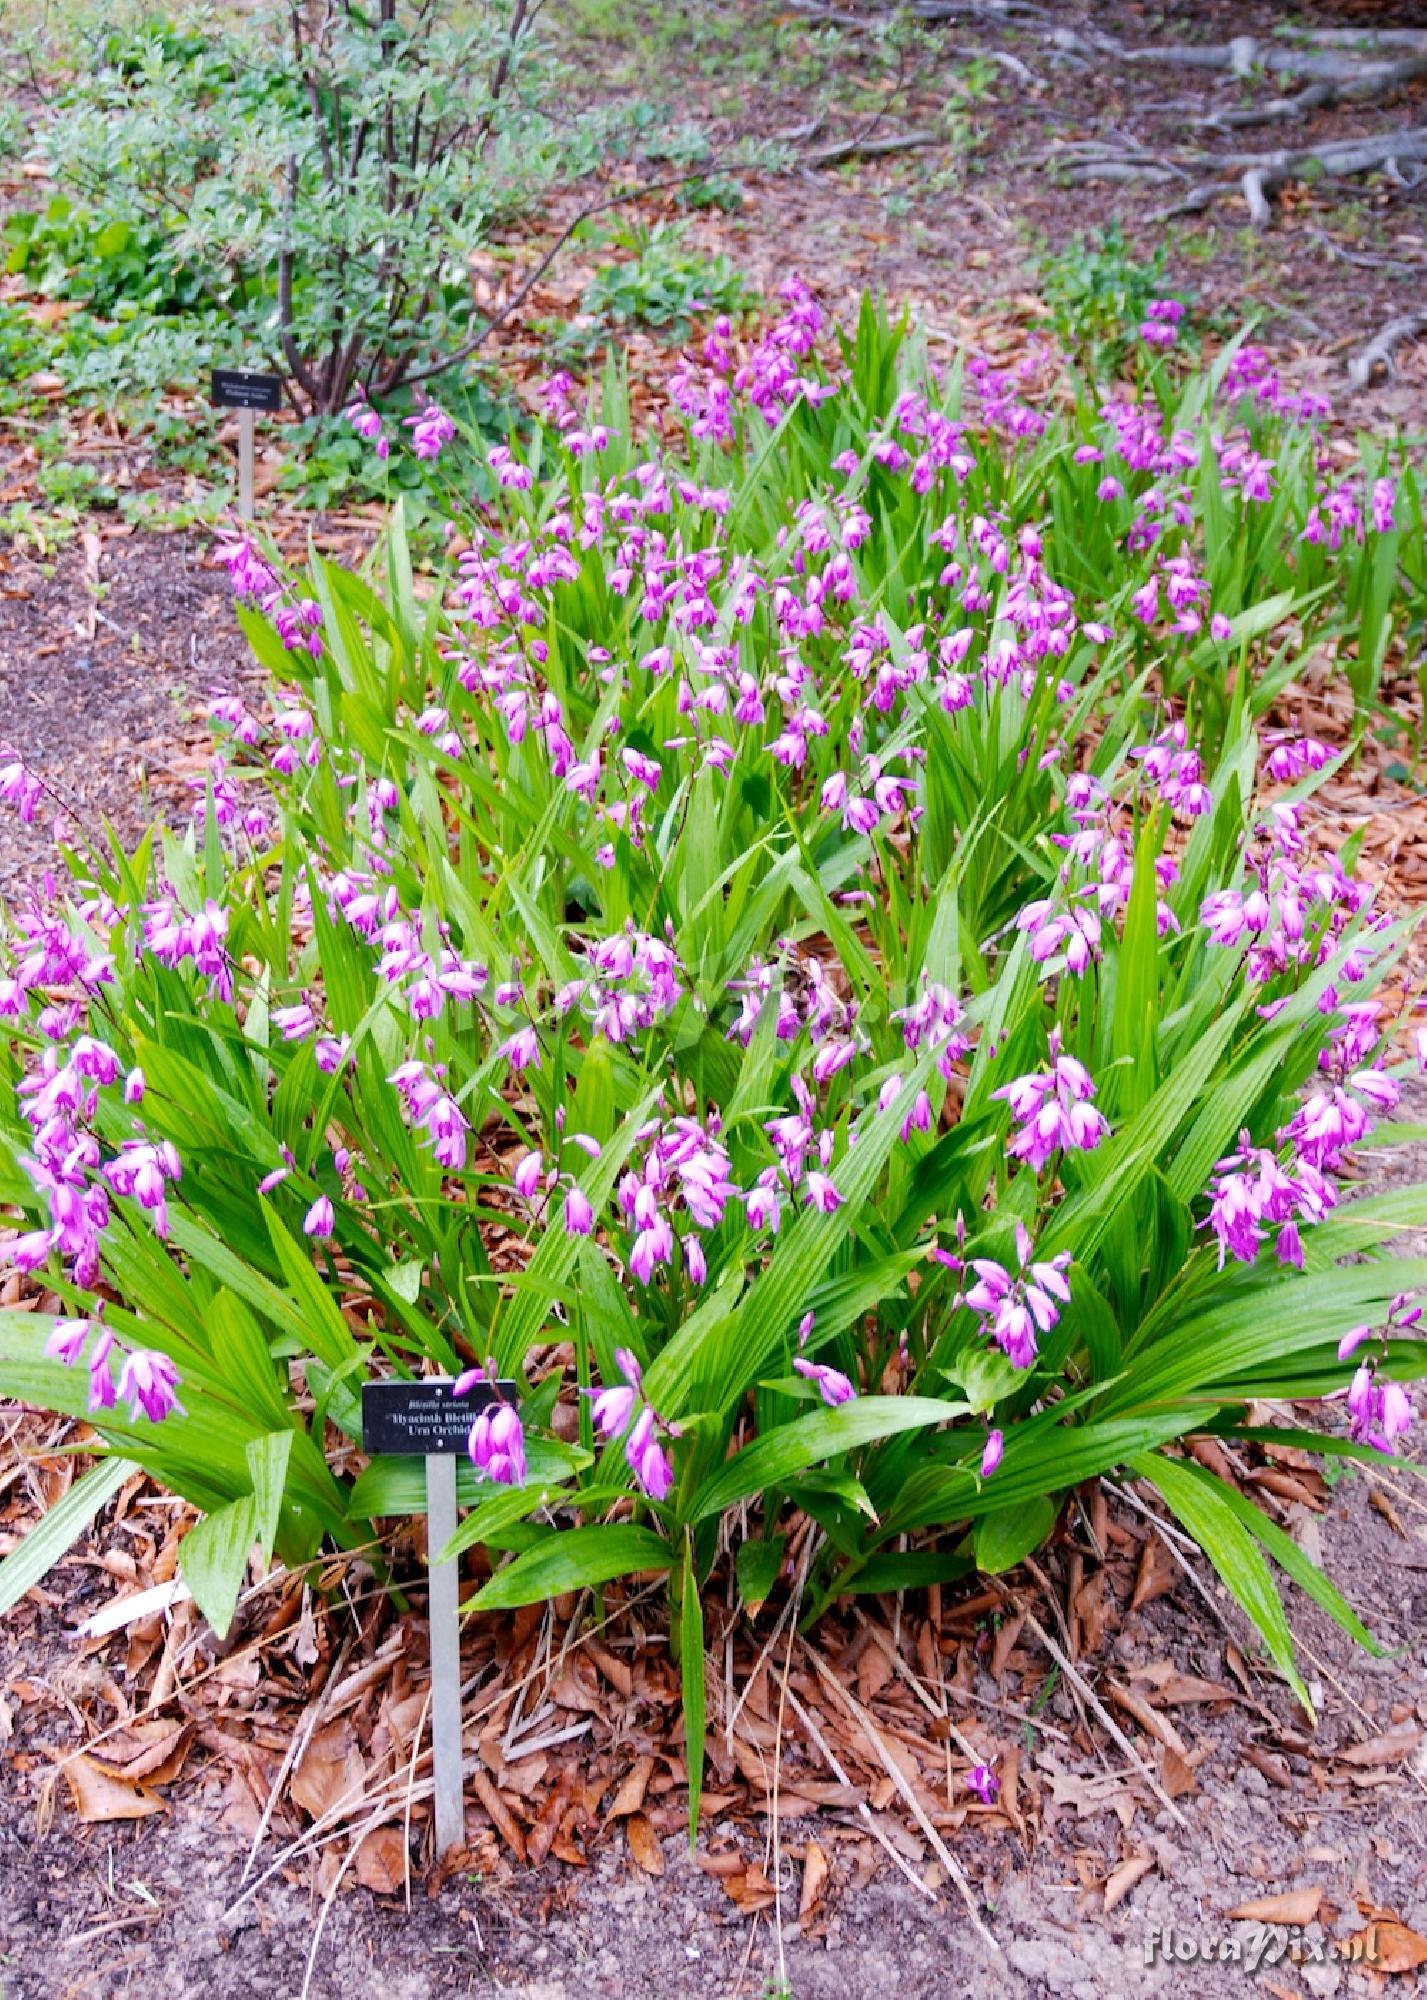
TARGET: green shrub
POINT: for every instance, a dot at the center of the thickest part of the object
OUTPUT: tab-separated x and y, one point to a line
319	177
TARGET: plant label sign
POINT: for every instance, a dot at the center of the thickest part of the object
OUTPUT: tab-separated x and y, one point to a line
243	389
247	392
419	1419
424	1420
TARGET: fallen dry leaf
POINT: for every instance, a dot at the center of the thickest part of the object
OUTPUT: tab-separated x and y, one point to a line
547	1826
644	1844
152	1750
332	1772
1380	1504
1095	1608
502	1818
815	1874
1276	1989
1273	1768
874	1670
524	1777
1386	1946
1177	1774
1298	1906
381	1861
1122	1879
635	1783
1106	1791
1175	1689
615	1670
1148	1718
1157	1574
98	1796
751	1890
1006	1639
1389	1749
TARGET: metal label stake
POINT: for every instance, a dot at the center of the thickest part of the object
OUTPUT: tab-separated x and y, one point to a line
445	1655
247	392
246	421
423	1419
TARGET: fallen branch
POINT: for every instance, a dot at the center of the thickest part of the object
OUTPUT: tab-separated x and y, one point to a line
1363	259
1363	365
1266	174
995	10
1245	55
1261	174
1194	203
868	149
1119	170
1354	38
1365	85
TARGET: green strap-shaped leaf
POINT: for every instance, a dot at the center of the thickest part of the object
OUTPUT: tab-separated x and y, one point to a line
1204	1510
268	1458
691	1661
758	1565
61	1526
1009	1534
574	1559
1080	1224
327	1333
214	1558
771	1460
1289	1557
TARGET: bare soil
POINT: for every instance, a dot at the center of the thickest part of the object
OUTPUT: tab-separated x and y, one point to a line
105	655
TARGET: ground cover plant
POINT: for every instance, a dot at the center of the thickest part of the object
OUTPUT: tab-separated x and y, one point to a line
802	950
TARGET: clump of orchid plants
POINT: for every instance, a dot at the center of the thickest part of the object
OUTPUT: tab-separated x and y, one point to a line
800	951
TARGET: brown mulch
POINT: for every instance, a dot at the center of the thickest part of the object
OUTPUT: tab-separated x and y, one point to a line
294	1753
